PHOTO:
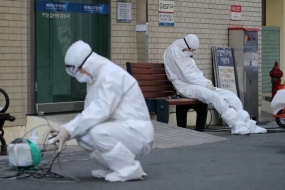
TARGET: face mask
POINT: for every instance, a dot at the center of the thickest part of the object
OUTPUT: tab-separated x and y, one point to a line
83	78
188	53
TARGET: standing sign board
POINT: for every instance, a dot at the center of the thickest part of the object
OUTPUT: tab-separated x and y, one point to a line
224	68
124	11
166	13
235	12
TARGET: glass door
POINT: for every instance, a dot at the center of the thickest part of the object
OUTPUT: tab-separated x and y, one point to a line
58	25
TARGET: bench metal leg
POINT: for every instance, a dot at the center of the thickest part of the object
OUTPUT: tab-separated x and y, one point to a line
151	104
201	119
3	150
162	111
181	115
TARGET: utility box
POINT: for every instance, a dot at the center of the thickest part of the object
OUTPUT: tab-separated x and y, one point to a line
244	42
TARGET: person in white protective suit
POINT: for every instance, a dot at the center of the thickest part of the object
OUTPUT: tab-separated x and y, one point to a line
115	124
189	82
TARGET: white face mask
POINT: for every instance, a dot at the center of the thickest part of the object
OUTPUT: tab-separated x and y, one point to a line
83	78
188	53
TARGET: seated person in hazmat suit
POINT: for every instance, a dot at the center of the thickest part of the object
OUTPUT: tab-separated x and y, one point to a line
189	82
115	124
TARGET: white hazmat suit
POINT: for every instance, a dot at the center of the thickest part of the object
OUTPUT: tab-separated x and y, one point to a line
115	125
189	82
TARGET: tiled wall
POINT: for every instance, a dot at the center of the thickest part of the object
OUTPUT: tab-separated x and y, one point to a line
13	55
123	37
270	54
209	20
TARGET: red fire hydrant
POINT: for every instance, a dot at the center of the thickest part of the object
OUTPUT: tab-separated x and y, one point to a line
275	75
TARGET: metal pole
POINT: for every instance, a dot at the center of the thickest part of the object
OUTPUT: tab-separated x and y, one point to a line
146	33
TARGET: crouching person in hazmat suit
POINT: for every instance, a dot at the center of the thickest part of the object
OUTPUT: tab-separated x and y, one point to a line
189	82
115	125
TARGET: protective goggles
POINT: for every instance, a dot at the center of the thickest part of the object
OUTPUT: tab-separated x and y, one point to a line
192	50
72	69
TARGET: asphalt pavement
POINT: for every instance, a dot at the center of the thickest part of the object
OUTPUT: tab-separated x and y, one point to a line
240	162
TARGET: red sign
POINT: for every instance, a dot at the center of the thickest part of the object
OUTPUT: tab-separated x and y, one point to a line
236	8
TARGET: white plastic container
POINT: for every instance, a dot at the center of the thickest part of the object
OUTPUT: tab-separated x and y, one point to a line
34	137
278	102
20	155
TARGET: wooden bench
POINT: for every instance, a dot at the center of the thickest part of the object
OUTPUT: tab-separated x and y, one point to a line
157	89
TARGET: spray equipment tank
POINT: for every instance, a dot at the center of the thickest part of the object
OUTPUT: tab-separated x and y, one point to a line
24	154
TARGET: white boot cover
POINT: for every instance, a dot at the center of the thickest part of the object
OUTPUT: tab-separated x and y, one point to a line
99	160
254	129
230	117
121	161
250	124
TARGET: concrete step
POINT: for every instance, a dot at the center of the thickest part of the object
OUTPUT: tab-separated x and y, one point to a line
167	135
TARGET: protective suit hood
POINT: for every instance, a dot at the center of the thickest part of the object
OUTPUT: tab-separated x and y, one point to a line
80	54
180	44
183	68
191	39
77	53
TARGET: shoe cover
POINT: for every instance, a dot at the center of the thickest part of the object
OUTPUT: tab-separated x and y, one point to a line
121	161
239	128
230	117
254	129
96	155
243	116
250	124
100	161
100	173
133	172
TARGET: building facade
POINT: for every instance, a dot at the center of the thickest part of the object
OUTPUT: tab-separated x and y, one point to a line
272	45
33	42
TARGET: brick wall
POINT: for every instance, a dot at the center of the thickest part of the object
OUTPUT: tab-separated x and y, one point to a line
13	56
209	21
123	37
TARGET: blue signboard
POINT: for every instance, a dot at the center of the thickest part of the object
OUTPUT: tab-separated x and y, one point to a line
224	56
72	7
166	19
224	68
166	24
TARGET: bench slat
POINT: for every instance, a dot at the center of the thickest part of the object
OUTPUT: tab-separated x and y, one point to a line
147	65
156	88
157	94
184	101
150	77
148	71
154	83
